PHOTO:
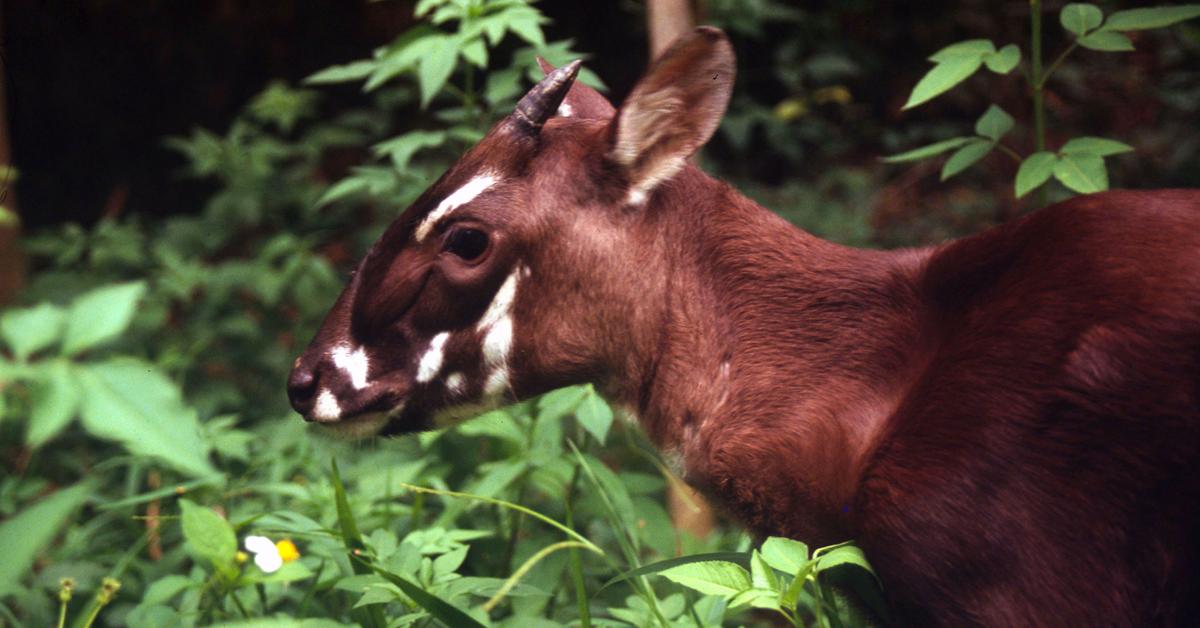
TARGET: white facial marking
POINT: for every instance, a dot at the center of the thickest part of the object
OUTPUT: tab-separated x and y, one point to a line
636	197
327	408
355	363
460	197
565	110
497	382
498	342
455	382
501	304
431	362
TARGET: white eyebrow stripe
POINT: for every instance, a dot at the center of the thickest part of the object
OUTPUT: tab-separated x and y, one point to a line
463	195
355	363
431	362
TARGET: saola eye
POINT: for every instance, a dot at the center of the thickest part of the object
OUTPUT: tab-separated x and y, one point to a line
466	243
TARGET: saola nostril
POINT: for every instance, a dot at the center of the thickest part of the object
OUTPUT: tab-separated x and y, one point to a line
302	388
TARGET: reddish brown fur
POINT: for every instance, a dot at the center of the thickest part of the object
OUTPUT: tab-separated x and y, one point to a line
1008	424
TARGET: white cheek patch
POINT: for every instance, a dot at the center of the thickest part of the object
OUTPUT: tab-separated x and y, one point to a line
455	383
501	304
497	325
431	362
497	382
458	198
498	342
355	363
327	408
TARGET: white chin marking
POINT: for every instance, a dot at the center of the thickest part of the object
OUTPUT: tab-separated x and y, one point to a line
431	362
363	426
355	363
501	304
458	198
497	382
327	408
455	383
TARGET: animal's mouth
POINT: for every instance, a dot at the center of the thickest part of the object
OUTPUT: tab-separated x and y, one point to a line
359	426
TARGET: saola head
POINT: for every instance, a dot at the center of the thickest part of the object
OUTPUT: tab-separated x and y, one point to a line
528	265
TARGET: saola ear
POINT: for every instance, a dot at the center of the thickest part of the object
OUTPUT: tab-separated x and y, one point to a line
673	110
581	101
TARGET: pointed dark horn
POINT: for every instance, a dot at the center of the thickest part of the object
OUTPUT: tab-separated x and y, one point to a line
543	100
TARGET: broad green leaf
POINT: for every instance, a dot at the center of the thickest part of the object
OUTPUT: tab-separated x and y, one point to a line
712	577
1094	146
928	151
561	402
1034	171
402	148
208	535
1004	60
757	598
1155	17
497	424
942	77
786	555
762	576
100	315
1079	18
738	558
29	531
475	52
595	416
435	67
966	156
132	402
968	48
352	540
436	606
843	555
526	26
55	401
1106	41
356	71
1083	173
994	123
29	330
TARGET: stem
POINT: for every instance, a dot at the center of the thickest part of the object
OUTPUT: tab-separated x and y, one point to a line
585	617
62	613
1057	62
1008	151
524	569
1037	81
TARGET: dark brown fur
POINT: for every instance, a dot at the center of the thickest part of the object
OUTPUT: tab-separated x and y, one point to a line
1008	424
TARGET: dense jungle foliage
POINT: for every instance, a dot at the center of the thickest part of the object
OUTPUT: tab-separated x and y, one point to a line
154	475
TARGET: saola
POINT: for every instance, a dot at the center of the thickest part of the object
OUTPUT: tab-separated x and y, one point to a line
1008	424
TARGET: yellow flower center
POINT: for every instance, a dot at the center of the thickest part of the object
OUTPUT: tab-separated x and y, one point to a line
287	550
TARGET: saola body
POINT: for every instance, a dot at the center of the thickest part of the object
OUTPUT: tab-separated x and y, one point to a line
1008	424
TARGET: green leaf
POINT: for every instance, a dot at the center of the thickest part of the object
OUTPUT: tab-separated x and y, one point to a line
843	555
786	555
1094	146
994	123
1106	41
1003	60
738	558
595	416
561	402
526	26
26	533
1083	173
208	535
402	148
1079	18
962	159
435	67
968	48
475	52
762	576
1034	171
942	77
352	540
54	402
1156	17
29	330
436	606
100	315
928	151
356	71
712	577
133	403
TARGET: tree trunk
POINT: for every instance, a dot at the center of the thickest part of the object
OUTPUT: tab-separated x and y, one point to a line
12	261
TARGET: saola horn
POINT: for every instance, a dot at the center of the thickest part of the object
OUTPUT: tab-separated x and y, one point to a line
543	100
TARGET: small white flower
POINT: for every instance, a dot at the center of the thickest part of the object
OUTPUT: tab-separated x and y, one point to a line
266	554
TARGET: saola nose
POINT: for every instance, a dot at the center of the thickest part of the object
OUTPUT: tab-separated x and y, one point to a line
302	388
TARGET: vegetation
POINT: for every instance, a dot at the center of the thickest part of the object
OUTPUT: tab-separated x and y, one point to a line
155	475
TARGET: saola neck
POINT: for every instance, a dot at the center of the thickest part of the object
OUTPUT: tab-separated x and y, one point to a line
770	330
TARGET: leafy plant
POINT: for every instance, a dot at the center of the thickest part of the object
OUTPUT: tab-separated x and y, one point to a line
1079	163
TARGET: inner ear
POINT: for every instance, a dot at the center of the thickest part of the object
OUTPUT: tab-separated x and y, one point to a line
674	109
